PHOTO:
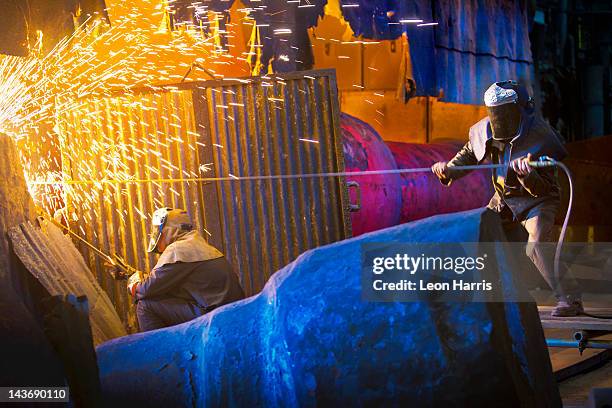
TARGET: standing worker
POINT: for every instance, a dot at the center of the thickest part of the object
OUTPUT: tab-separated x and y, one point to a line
191	277
524	196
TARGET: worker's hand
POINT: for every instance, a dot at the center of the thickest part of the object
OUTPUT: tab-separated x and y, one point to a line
440	169
133	283
521	165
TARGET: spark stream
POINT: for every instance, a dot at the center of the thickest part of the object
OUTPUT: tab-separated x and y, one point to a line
413	264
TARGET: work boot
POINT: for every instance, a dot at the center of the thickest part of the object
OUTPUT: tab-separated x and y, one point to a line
568	308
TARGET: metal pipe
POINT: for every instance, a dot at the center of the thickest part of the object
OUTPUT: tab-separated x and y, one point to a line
583	335
265	177
364	150
580	335
594	344
392	195
422	193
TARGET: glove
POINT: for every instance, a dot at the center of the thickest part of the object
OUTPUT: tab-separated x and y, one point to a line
133	282
521	165
440	169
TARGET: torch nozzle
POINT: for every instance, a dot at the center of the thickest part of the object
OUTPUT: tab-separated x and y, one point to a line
543	161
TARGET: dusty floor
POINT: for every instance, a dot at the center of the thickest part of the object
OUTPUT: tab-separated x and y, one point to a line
575	390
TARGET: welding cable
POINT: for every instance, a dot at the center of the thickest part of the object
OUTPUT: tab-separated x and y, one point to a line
545	162
265	177
564	229
568	213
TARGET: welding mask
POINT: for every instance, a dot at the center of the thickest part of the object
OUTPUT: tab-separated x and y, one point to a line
174	221
504	102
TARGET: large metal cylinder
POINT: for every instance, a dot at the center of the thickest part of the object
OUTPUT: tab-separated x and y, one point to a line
309	340
391	199
381	197
422	193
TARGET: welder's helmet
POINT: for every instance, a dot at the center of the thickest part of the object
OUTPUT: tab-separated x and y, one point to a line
174	221
506	101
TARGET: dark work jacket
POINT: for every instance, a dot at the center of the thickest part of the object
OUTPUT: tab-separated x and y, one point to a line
208	284
518	194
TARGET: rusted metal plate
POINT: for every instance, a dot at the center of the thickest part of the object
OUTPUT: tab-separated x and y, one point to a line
55	262
127	154
592	195
590	163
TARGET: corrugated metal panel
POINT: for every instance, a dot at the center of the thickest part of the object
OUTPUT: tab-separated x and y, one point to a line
280	125
138	137
288	125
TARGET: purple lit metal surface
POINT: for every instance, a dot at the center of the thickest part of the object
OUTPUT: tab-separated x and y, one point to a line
422	193
391	199
381	201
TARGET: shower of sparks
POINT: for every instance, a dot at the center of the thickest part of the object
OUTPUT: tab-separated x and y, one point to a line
76	114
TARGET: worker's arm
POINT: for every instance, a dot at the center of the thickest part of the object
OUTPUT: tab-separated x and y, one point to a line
538	182
445	171
161	280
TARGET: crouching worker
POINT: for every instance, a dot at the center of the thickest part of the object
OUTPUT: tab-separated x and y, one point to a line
525	197
190	278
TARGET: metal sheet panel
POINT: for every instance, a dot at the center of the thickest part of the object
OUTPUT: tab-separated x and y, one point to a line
285	125
123	155
128	154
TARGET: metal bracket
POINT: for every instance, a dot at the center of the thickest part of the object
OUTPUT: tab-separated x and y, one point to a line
582	338
357	206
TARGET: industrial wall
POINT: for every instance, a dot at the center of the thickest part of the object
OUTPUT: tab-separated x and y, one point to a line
369	76
368	72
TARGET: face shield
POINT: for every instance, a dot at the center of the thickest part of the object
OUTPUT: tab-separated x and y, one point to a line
160	216
174	222
505	121
504	111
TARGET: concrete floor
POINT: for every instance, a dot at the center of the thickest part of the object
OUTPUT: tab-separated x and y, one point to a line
574	391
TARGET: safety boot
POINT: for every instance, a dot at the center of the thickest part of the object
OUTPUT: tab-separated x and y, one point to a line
568	307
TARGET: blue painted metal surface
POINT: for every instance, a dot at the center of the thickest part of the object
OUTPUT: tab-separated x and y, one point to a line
498	28
475	43
308	339
464	77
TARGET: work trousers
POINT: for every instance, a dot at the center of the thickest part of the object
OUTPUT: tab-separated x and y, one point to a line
539	225
157	313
